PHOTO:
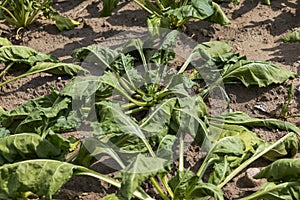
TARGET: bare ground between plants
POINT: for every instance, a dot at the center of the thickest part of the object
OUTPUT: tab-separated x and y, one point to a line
256	32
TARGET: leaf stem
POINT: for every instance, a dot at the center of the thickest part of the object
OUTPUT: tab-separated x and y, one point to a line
164	180
181	152
158	188
6	69
87	172
257	194
252	159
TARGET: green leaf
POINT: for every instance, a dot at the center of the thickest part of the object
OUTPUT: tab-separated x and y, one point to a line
101	56
261	150
285	181
37	115
240	118
165	52
187	118
23	54
197	9
4	42
181	182
43	177
188	186
282	170
126	124
57	68
156	123
273	191
111	197
288	148
4	132
50	67
218	16
214	49
92	150
138	171
86	86
108	6
206	190
165	148
26	146
255	73
292	37
64	23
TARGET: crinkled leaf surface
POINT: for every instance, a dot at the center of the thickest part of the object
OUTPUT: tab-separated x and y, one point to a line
273	191
92	150
256	73
282	170
64	23
23	54
94	54
43	177
26	146
240	118
138	171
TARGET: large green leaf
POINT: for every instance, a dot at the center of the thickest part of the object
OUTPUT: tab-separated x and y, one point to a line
26	146
165	51
37	115
273	191
187	118
138	171
240	118
188	186
180	184
101	56
283	176
50	67
255	73
64	23
282	170
206	190
225	152
260	150
198	9
156	123
218	16
43	177
126	124
165	149
57	68
23	54
91	150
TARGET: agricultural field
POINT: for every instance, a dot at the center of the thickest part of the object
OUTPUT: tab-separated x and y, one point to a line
200	100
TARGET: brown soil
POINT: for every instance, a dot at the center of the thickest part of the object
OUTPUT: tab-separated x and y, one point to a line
256	32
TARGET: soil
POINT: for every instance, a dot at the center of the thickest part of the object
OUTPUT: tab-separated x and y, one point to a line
256	32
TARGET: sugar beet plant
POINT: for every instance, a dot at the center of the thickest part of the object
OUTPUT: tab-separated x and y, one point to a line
31	62
141	110
21	13
174	14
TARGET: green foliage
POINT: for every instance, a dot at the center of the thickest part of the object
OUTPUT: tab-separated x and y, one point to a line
283	181
22	13
140	117
292	37
37	62
174	14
